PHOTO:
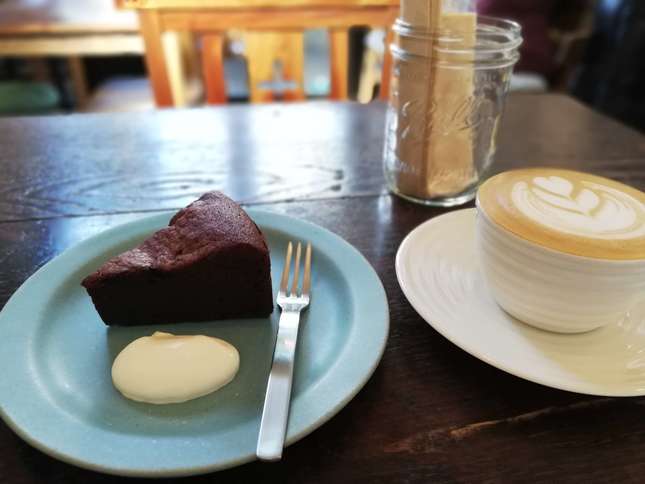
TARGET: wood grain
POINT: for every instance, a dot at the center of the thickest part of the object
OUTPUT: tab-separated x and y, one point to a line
162	160
430	412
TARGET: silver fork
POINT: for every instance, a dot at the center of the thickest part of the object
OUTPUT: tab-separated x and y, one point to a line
275	414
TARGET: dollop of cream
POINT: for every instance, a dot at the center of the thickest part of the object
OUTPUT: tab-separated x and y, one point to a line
580	208
165	368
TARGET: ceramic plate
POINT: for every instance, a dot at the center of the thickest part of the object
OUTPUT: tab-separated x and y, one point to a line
439	273
56	391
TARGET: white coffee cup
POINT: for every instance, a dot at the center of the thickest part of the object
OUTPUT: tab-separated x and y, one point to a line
530	265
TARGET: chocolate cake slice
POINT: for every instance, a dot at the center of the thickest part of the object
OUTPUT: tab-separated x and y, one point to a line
211	262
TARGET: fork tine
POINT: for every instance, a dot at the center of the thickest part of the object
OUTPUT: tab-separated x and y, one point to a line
284	281
306	284
296	271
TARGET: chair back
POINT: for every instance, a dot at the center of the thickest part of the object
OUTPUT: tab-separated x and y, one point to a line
274	40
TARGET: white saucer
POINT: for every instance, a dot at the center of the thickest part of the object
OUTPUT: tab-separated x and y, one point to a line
439	273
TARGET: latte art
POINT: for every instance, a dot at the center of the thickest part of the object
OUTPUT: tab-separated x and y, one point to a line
567	211
588	210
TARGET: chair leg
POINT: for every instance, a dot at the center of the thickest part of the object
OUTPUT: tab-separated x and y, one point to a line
369	76
155	59
213	68
338	63
384	91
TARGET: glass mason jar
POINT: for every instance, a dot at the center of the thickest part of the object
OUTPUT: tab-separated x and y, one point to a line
446	100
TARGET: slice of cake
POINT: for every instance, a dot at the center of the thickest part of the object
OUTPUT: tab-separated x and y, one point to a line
211	262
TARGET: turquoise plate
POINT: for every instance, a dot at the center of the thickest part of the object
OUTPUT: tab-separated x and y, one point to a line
56	391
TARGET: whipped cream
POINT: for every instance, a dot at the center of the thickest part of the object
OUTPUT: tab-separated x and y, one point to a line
165	368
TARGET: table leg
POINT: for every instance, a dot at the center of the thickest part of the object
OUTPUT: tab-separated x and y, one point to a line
79	81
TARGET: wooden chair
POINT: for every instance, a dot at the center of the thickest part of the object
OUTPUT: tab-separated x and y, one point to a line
275	31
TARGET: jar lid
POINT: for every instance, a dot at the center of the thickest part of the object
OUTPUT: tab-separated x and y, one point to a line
568	211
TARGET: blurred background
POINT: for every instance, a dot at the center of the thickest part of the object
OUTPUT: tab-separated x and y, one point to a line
60	56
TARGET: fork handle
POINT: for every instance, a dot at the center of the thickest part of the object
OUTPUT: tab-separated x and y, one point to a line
275	414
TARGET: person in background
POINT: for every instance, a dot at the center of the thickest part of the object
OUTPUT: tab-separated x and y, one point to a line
550	29
611	76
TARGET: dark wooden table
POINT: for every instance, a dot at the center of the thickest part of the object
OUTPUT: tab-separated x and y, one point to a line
431	412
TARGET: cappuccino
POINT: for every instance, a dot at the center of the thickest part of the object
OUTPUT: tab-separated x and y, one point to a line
562	250
568	211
